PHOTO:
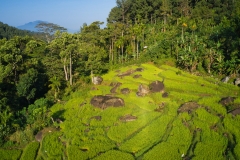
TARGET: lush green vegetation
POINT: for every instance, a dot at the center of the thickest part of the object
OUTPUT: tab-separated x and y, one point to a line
30	151
9	32
188	45
10	154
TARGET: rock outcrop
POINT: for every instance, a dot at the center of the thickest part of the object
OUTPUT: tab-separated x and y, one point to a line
188	107
226	101
97	80
127	118
237	81
142	90
225	79
115	86
103	102
156	86
125	91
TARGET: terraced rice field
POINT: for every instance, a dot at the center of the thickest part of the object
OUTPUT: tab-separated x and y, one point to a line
158	128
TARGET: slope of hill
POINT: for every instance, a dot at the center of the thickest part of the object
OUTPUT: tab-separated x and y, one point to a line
8	32
159	113
31	25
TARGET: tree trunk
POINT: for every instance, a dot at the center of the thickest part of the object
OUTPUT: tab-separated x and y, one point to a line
122	47
70	70
110	50
65	69
137	50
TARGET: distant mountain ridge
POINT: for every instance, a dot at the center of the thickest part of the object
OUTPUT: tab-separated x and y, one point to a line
31	26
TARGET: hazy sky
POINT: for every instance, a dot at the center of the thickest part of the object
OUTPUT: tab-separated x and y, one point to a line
67	13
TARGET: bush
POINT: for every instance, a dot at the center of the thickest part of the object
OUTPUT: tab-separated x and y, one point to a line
207	117
10	154
237	151
52	146
89	148
180	136
212	102
30	151
163	151
147	137
208	151
116	155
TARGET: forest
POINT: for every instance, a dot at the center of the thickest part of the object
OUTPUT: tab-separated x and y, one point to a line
46	74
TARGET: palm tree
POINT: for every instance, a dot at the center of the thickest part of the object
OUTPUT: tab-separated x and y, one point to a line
55	84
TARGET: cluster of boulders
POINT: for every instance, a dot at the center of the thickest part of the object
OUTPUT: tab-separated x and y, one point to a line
104	101
156	86
227	78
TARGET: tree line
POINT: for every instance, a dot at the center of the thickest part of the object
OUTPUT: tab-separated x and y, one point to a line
198	36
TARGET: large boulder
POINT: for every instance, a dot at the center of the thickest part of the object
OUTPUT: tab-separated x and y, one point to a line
97	80
103	102
156	86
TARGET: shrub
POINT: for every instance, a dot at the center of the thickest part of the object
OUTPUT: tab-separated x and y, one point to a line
89	148
116	155
208	151
10	154
207	117
74	153
52	146
212	102
233	126
237	151
181	136
163	151
30	151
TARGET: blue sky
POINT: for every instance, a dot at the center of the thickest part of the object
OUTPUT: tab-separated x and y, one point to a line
67	13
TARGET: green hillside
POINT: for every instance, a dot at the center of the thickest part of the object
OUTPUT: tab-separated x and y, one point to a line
185	120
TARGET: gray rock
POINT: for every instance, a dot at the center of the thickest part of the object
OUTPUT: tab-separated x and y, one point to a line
103	102
237	81
142	90
125	91
97	80
226	79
